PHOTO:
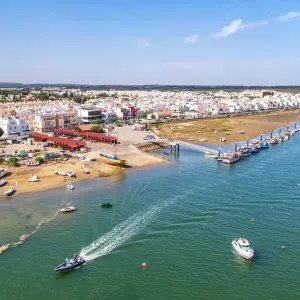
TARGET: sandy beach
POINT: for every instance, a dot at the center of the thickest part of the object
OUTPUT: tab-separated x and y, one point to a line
19	176
253	125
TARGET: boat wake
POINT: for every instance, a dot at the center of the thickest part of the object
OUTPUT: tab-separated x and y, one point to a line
122	232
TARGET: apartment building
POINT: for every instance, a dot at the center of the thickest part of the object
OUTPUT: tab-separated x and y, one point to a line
14	126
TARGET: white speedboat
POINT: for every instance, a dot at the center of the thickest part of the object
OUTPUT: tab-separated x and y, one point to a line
211	155
70	187
32	163
85	171
10	191
70	173
3	172
3	182
67	209
242	247
33	178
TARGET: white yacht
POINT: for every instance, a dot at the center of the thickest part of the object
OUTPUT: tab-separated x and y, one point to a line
67	209
242	247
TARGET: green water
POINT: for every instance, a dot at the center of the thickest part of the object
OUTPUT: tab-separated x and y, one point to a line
179	218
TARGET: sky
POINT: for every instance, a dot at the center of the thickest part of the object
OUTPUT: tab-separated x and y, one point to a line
192	42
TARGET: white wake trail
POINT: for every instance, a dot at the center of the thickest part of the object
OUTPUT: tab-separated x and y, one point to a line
122	232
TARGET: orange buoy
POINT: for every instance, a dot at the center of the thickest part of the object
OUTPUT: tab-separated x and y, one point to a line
144	265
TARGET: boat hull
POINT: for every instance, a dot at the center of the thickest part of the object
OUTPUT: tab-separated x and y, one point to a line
230	160
114	162
65	267
244	255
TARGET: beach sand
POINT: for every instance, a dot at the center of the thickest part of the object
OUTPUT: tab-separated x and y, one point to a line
19	175
253	125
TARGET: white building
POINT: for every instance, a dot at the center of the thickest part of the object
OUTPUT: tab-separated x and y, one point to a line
14	126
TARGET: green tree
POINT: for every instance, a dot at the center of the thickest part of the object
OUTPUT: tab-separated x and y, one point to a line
153	117
97	122
1	132
40	160
71	95
13	113
13	161
64	95
43	96
97	128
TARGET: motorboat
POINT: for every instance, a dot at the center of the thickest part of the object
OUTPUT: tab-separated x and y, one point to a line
3	182
106	204
3	172
67	209
211	155
32	163
85	171
70	187
264	145
166	153
70	264
70	173
242	247
231	158
202	140
33	178
10	191
222	139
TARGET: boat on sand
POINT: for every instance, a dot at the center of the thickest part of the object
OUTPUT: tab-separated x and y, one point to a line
10	191
3	182
33	178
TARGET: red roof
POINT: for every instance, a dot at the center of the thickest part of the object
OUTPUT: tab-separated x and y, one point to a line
66	142
38	135
95	135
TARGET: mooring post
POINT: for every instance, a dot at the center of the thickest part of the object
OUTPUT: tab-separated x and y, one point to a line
271	133
235	146
261	138
247	142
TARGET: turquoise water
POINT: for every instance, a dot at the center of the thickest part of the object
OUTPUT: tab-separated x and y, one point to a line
180	218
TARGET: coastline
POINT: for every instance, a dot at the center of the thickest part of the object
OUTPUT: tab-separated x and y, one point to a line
18	176
252	125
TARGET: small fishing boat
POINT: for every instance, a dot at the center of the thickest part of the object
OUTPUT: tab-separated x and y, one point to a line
3	182
10	191
33	178
70	187
264	145
67	209
112	159
242	247
222	139
231	158
85	171
211	155
70	264
70	173
32	163
106	204
3	172
166	153
253	150
202	140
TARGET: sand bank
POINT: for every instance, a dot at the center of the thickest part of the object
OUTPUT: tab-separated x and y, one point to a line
19	175
253	125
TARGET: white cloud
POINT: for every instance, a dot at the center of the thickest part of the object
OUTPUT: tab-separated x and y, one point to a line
145	43
289	16
235	26
191	39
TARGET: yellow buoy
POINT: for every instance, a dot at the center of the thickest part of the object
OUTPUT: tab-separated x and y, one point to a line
252	220
282	247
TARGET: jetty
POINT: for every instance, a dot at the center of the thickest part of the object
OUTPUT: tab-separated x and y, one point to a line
177	143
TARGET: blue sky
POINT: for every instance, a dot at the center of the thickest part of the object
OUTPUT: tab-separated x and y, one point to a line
216	42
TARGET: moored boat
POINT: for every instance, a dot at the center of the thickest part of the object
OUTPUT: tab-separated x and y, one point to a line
32	163
67	209
3	182
242	247
10	191
106	204
33	178
70	173
70	187
70	264
3	172
231	158
112	159
211	155
85	171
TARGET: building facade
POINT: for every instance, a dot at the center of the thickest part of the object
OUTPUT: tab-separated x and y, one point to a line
14	126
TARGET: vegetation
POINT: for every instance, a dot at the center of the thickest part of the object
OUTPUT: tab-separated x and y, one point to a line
40	160
97	122
13	113
1	132
97	128
43	96
153	117
13	161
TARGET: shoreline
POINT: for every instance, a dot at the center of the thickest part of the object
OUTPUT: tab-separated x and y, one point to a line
18	176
